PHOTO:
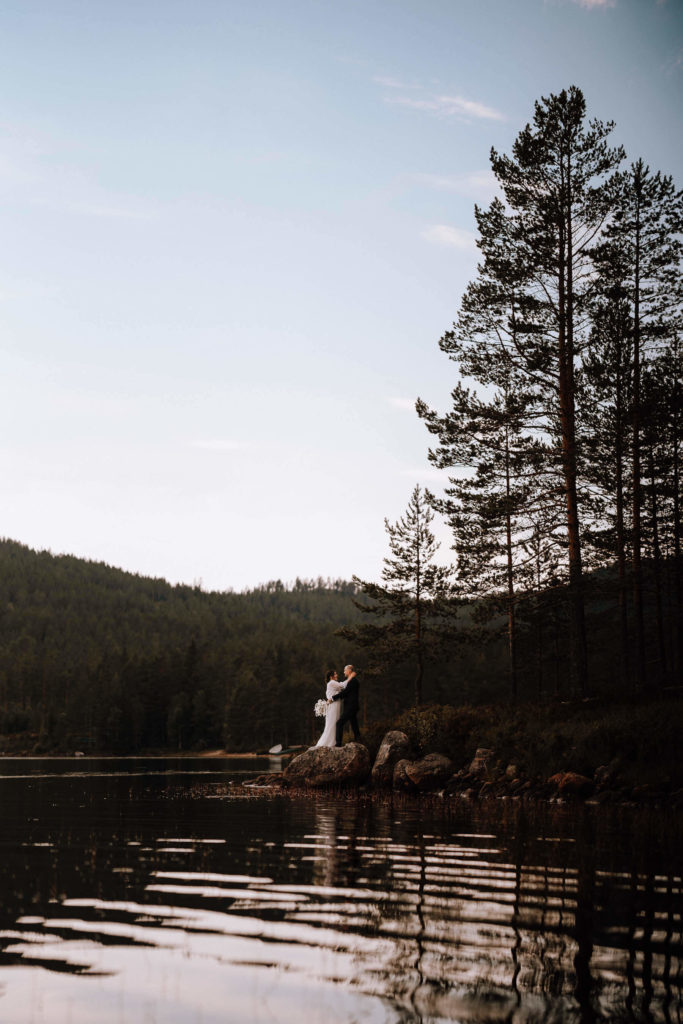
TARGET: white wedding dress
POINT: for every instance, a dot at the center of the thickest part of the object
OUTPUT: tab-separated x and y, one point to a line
329	736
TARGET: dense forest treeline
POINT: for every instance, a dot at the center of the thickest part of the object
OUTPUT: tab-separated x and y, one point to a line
98	659
92	657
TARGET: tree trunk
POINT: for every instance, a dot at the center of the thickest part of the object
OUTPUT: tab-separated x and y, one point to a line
539	624
678	566
512	638
637	497
568	432
418	635
661	642
418	678
556	639
620	531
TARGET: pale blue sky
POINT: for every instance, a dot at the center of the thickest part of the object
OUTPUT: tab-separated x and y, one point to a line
232	235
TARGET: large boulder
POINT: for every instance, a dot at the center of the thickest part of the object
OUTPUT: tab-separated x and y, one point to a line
481	762
329	766
571	784
394	747
429	772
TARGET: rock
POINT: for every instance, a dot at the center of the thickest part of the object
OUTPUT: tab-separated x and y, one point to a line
267	780
605	775
454	785
395	747
459	779
571	784
329	766
481	762
400	779
430	771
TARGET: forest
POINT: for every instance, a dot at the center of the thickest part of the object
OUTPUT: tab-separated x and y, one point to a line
562	443
561	452
96	659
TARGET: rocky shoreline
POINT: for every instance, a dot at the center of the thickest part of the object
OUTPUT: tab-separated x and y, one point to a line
484	778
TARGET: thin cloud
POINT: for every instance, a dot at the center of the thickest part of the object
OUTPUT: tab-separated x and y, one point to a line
12	288
449	106
31	174
455	238
476	185
673	65
432	475
391	83
407	404
218	445
592	4
106	211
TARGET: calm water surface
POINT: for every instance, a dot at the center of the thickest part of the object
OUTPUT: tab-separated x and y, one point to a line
138	892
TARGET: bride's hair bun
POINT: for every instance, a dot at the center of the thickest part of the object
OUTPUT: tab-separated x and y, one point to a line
329	675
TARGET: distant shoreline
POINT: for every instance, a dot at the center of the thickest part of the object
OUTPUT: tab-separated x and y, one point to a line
27	755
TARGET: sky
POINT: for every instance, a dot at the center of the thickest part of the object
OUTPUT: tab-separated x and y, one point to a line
231	237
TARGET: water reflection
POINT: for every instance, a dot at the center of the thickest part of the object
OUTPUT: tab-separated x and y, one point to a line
124	900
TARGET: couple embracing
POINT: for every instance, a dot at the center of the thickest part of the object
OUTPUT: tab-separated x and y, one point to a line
342	707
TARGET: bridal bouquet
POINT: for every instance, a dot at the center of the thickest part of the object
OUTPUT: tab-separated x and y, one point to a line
320	708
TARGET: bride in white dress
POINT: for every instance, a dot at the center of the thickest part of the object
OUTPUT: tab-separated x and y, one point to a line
329	736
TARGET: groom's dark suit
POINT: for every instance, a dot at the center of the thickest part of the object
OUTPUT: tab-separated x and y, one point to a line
349	709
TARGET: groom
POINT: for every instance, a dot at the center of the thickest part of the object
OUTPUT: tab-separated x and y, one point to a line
350	706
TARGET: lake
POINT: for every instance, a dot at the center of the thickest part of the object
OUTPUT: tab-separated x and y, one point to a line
140	891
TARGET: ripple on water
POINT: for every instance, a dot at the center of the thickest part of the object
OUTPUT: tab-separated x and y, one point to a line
118	899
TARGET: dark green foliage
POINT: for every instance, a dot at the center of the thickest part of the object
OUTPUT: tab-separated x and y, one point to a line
563	438
94	658
545	738
410	605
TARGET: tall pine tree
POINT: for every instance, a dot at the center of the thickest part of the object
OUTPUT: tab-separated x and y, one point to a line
412	601
643	238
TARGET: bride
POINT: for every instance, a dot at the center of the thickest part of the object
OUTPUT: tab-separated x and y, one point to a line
329	736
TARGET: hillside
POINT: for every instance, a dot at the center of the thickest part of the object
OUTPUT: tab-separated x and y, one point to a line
97	658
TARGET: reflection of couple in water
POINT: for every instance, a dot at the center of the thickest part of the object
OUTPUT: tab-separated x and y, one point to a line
342	707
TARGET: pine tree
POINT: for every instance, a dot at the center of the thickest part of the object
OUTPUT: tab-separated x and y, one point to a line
661	439
604	398
543	592
643	237
558	185
411	603
670	373
488	503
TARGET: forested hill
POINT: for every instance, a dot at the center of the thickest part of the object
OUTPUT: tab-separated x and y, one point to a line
92	657
102	660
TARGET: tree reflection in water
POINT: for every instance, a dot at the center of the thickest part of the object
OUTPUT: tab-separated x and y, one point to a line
496	914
